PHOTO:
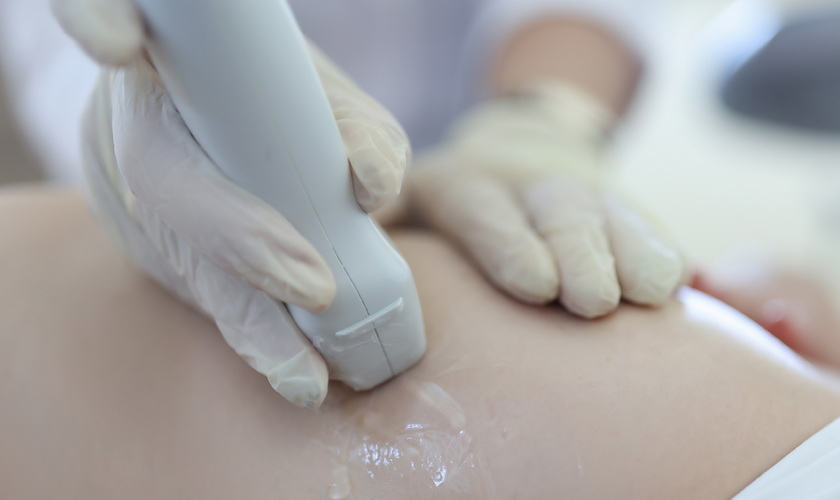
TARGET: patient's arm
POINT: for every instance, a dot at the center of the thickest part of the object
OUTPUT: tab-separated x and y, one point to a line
109	388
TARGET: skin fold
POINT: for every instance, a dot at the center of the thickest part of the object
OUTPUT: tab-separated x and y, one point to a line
110	388
795	305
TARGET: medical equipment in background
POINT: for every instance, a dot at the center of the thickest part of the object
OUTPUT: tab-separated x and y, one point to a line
241	76
784	67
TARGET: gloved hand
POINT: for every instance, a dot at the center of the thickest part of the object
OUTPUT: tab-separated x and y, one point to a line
520	185
217	247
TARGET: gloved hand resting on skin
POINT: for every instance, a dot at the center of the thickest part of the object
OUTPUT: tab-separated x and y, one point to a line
520	185
214	245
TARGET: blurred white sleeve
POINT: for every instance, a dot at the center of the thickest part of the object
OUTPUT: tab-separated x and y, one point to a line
632	21
49	80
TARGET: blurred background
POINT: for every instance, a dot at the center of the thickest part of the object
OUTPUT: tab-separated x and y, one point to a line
17	163
722	180
719	179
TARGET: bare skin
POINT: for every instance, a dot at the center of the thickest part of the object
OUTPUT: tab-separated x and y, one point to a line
571	50
112	389
793	304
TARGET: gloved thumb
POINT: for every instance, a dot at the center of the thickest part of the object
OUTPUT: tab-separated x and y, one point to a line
110	31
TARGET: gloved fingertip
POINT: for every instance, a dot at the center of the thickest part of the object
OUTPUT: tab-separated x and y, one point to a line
689	271
110	31
656	282
287	268
378	164
369	201
590	302
379	178
301	380
305	394
533	281
534	290
313	290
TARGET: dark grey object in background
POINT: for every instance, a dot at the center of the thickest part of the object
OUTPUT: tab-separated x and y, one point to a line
794	78
17	163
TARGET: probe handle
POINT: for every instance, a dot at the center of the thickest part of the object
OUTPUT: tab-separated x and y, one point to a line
240	74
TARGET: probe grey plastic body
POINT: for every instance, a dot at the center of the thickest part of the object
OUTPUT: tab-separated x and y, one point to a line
240	75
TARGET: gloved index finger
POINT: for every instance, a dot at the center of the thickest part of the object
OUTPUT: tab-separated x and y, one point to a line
377	146
263	333
649	268
256	326
485	219
178	188
568	215
110	31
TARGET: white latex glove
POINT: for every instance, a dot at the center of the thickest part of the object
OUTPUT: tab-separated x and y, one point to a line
520	186
217	247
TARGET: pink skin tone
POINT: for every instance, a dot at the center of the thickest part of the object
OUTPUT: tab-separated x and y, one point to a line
111	388
791	304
